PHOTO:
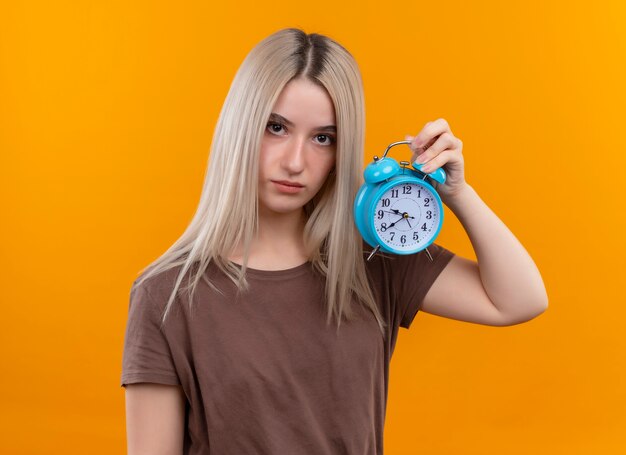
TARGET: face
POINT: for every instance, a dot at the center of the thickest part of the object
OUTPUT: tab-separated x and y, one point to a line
298	148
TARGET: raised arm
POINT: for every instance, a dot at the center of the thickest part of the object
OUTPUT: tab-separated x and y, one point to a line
504	287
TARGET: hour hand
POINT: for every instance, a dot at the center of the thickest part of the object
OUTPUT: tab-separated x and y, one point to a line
402	214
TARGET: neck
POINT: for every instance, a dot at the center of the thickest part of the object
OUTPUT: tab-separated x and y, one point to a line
279	243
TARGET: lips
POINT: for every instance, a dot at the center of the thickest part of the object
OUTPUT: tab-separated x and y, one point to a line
288	183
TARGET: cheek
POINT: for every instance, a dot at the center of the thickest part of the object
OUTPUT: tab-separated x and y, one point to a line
325	162
330	163
324	167
263	162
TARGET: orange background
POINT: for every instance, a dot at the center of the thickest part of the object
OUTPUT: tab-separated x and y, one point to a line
107	111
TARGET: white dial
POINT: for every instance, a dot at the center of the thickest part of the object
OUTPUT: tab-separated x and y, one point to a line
407	216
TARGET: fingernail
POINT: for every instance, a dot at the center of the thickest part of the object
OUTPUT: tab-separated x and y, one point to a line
421	159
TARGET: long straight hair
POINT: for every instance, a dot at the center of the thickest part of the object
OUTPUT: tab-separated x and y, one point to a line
227	214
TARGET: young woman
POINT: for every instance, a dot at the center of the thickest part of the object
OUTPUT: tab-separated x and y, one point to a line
247	361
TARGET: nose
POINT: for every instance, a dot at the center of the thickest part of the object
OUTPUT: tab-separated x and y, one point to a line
293	157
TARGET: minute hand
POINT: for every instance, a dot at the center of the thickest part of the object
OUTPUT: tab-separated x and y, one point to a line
394	223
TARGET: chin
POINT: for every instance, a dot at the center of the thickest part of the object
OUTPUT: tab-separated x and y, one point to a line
284	207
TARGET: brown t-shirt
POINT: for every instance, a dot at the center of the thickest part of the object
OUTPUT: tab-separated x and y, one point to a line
262	372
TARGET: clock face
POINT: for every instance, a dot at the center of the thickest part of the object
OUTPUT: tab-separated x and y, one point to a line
407	217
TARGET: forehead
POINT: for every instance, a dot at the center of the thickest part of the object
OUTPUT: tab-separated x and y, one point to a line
304	102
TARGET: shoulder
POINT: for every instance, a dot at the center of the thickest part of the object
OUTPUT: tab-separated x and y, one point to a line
156	288
385	267
400	282
159	286
155	283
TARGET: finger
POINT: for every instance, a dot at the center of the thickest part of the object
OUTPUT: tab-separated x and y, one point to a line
438	161
429	133
410	138
421	150
443	142
417	151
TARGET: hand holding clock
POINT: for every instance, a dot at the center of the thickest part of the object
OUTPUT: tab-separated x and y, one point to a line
393	193
435	146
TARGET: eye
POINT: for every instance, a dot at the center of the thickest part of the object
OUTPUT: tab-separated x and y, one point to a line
324	139
275	128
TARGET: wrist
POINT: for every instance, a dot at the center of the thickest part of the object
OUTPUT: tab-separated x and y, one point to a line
459	197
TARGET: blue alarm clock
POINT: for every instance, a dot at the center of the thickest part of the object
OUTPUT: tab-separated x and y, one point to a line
397	210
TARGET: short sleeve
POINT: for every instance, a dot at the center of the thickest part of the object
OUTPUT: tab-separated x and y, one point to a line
413	276
146	356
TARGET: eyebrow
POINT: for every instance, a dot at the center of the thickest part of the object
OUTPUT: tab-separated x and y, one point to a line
274	117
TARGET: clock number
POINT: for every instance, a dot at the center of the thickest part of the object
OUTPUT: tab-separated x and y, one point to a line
406	189
386	202
419	193
415	236
403	239
383	227
392	235
381	214
426	201
429	215
424	227
394	192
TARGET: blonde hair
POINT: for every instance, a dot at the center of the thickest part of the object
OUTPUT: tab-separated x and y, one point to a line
227	214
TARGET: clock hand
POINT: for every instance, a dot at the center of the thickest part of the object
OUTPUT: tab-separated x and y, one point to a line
394	223
404	215
407	220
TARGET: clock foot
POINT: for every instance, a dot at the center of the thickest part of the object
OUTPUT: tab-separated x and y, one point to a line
374	251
